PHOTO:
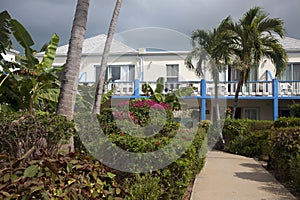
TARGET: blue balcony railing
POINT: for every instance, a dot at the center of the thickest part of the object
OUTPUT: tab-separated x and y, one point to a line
225	88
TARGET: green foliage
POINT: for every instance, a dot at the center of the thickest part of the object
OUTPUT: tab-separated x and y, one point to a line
146	187
138	117
86	94
174	178
21	132
171	99
285	147
278	142
31	84
295	110
247	137
73	176
283	122
5	41
295	172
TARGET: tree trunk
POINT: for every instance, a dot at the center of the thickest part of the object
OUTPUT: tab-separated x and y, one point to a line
67	96
216	92
242	81
103	66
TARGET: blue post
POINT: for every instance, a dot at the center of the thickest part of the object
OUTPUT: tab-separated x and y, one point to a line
275	86
267	87
268	73
136	88
203	99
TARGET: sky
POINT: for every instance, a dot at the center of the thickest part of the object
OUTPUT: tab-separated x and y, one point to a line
42	18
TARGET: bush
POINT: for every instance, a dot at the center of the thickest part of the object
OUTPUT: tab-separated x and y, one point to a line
146	187
284	122
295	172
20	132
72	176
246	137
295	110
141	116
285	147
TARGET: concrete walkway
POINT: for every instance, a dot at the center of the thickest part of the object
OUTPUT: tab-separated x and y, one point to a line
231	177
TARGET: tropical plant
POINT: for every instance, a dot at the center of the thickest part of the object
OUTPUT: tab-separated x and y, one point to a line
210	57
85	96
250	39
172	99
101	78
27	84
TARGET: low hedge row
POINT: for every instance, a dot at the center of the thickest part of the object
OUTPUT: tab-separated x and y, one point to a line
278	142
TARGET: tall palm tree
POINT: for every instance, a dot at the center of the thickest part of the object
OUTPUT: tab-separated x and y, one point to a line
207	55
67	97
252	38
103	66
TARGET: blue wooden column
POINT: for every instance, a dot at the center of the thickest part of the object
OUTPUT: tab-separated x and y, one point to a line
136	88
275	87
203	99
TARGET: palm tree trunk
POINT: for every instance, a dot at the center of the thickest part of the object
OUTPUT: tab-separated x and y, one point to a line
218	117
242	81
103	66
236	95
67	96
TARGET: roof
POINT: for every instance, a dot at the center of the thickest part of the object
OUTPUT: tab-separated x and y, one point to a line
289	44
95	45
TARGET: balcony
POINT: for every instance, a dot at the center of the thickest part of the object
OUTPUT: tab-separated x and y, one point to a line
206	89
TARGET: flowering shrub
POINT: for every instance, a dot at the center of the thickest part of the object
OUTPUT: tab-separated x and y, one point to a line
143	117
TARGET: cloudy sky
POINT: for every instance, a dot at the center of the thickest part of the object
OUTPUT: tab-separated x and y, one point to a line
42	18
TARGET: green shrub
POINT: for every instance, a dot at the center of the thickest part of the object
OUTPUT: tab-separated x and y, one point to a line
174	178
295	109
284	122
285	146
239	133
20	132
295	172
72	176
146	187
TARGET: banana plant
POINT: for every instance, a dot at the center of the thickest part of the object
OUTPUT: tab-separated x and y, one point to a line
30	84
169	98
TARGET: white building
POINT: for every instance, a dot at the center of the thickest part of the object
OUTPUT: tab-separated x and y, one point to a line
263	97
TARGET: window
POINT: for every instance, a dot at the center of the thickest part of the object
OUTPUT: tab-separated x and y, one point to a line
234	75
172	73
292	72
118	72
172	77
251	113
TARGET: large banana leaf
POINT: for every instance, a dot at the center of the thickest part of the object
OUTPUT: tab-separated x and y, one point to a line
25	40
4	30
21	34
50	53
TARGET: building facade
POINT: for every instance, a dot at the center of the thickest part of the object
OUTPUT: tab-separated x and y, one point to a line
264	97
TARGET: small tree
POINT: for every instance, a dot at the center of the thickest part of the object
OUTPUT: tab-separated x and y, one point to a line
251	39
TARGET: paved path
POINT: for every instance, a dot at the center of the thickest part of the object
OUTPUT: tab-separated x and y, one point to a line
231	177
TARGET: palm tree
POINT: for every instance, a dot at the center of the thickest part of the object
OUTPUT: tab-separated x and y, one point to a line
101	77
252	38
205	51
67	97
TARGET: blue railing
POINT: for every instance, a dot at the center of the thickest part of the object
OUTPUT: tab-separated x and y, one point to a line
269	89
207	88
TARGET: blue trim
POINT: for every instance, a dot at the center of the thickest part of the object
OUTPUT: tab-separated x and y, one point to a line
203	99
203	96
136	88
275	85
